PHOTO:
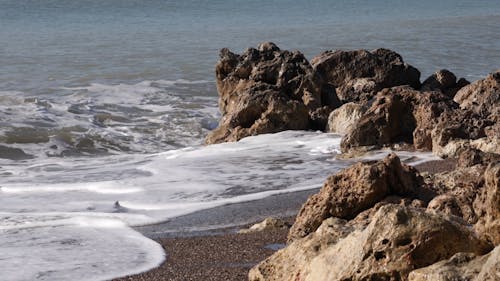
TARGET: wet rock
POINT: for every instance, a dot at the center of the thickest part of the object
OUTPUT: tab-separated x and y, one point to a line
267	224
444	81
355	189
397	241
462	266
359	75
267	90
342	119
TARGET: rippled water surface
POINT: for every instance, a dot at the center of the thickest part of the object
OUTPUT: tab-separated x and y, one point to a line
104	106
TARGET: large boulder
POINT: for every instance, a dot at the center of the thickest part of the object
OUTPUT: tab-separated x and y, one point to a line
399	114
355	189
397	241
462	266
342	119
267	90
359	75
482	96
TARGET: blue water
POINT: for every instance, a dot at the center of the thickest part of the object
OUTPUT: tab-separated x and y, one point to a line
45	44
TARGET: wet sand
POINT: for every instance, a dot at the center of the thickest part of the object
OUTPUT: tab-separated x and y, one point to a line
205	246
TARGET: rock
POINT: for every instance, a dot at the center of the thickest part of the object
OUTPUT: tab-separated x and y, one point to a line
397	241
359	75
456	191
444	81
462	266
355	189
266	90
482	96
487	205
267	224
342	119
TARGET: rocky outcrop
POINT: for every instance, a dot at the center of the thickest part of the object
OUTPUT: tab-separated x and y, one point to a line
397	241
359	75
482	97
342	119
462	266
355	189
444	81
267	90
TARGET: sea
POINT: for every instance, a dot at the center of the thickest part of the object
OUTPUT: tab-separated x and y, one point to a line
104	106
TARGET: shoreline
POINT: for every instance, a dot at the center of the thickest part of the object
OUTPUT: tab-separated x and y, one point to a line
213	250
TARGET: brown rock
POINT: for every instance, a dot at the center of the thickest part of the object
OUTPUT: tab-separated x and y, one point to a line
397	241
355	189
342	119
487	205
482	96
267	90
359	75
444	81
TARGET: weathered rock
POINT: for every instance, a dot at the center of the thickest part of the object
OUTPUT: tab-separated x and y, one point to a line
487	205
342	119
456	191
359	75
267	224
444	81
462	266
399	114
482	96
267	90
355	189
397	241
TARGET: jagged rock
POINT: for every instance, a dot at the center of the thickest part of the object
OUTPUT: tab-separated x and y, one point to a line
462	266
267	90
355	189
482	96
267	224
399	114
456	191
342	119
444	81
487	205
359	75
398	240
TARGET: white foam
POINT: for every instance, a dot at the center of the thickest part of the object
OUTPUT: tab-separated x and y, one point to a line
95	200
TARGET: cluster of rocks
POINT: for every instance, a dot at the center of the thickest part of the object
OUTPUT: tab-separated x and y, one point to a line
376	220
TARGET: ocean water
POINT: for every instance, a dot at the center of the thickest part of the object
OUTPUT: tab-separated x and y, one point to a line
104	106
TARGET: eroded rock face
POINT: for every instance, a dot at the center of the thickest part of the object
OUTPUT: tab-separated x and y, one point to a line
359	75
355	189
342	119
267	90
487	205
482	96
398	240
444	81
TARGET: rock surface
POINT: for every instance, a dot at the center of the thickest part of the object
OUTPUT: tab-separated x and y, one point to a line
398	240
267	90
342	119
462	266
444	81
359	75
487	205
355	189
482	96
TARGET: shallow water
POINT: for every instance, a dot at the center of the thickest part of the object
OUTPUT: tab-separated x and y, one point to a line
104	106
